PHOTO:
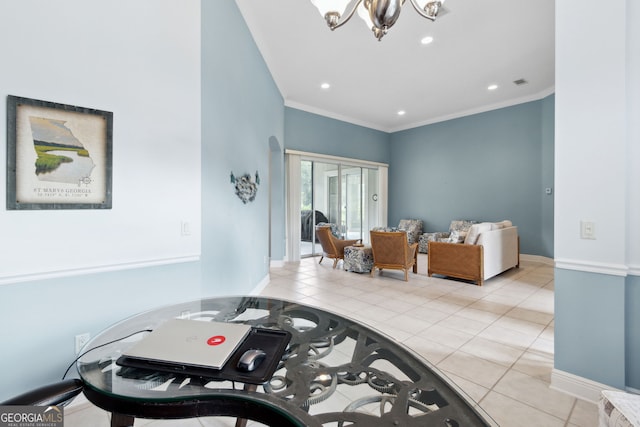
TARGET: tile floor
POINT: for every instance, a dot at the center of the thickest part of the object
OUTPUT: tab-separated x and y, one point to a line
494	341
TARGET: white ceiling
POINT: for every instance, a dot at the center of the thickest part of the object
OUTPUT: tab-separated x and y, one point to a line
477	43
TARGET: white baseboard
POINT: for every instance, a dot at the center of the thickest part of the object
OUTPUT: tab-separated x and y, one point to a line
576	386
276	263
260	286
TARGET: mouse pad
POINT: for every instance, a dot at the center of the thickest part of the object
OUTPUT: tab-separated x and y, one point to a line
272	341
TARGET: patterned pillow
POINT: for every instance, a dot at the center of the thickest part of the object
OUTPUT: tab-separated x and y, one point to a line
461	225
457	236
619	409
334	228
385	229
413	227
423	241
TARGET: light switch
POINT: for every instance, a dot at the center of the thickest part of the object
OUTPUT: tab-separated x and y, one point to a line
185	228
587	230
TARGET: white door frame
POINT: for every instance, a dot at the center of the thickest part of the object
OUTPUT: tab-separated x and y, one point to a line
293	185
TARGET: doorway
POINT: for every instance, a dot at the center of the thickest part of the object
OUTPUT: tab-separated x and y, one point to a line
344	192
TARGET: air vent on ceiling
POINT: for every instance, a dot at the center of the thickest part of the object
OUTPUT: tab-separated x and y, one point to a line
520	82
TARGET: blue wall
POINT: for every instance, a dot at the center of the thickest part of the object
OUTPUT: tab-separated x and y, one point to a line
490	166
487	167
242	122
318	134
242	117
632	330
547	175
590	329
40	318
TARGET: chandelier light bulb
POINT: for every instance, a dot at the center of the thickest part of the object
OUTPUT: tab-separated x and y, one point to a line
331	10
327	6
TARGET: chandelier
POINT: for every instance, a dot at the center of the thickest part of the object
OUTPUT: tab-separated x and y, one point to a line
379	15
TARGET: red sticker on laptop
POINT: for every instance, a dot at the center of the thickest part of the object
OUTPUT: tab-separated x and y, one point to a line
216	340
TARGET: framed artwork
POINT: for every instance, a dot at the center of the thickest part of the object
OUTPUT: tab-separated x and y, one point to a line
58	156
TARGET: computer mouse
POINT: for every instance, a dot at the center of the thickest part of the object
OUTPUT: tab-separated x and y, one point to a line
251	359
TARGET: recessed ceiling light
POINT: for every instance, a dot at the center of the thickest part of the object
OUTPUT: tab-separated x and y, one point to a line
325	86
402	112
426	40
492	87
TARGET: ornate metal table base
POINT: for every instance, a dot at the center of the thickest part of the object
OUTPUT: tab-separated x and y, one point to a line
335	372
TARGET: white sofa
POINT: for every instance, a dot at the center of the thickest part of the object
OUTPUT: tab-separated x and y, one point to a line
488	249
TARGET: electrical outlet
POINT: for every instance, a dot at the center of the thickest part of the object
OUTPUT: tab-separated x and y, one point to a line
81	341
588	230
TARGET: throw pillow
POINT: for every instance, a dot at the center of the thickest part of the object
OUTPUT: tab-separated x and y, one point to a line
461	225
504	224
457	236
385	229
474	232
334	228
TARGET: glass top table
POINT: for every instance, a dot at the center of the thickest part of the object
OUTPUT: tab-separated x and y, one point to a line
334	372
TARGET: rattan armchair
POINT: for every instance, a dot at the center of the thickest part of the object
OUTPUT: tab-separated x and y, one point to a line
332	247
391	250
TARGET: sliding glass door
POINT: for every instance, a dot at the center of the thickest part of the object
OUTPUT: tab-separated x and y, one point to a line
339	193
318	202
359	201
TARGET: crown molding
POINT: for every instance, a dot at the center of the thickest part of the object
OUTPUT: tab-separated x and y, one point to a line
482	109
470	112
332	115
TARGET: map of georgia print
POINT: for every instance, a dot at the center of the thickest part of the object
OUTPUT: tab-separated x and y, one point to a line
61	156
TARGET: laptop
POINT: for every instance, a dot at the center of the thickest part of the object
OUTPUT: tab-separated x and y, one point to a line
188	346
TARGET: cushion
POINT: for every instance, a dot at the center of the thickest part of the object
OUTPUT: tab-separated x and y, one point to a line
334	228
504	224
410	224
413	227
475	230
457	236
619	409
385	229
423	241
461	225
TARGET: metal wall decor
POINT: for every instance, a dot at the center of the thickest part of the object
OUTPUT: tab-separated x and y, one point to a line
245	188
